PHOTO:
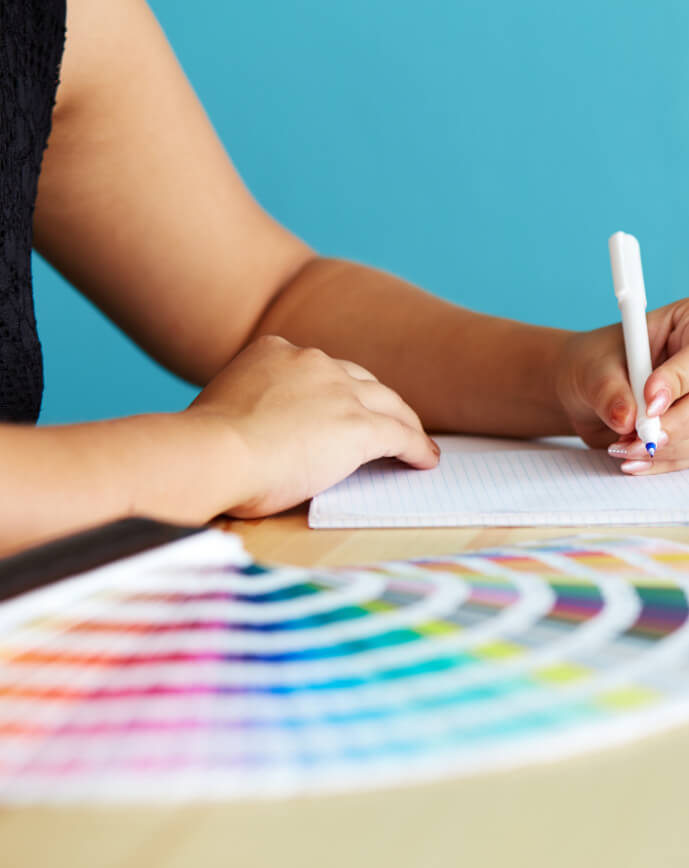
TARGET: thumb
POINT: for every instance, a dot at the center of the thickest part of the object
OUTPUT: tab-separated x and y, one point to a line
610	396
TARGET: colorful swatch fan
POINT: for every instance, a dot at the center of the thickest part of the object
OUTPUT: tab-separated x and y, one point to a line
191	672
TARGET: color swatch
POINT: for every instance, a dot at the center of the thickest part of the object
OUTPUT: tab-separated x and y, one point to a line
191	672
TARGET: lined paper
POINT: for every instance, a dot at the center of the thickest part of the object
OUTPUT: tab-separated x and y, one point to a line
507	488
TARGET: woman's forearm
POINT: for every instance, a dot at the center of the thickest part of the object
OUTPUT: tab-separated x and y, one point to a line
169	466
460	370
270	430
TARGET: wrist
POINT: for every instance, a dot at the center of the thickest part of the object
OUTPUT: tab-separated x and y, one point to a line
217	460
564	372
556	370
519	379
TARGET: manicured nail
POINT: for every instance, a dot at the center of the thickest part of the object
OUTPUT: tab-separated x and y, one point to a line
636	466
635	449
659	404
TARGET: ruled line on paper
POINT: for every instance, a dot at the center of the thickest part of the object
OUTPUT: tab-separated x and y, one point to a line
537	487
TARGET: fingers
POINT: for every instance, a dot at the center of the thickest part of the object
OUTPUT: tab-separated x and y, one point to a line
631	449
380	399
668	383
666	393
356	371
673	442
628	446
609	394
395	429
384	423
391	438
639	467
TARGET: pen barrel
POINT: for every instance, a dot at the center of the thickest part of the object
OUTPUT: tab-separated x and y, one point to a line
628	280
638	352
636	346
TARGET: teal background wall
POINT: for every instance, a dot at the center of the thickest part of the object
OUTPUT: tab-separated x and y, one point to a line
485	149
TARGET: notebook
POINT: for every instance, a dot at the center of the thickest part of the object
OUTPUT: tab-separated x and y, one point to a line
545	485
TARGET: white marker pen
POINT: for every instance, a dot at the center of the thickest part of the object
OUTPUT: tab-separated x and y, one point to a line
628	278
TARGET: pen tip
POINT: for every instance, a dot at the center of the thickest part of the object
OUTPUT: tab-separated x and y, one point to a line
651	449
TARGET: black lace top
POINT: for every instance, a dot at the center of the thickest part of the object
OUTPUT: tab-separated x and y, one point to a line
32	35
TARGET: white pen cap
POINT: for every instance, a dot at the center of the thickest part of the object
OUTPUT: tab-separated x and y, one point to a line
627	275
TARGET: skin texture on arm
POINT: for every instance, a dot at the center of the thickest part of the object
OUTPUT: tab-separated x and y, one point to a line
58	479
148	217
460	370
140	207
219	455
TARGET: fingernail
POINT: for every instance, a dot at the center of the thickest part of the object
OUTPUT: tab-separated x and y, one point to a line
636	466
659	403
435	446
637	449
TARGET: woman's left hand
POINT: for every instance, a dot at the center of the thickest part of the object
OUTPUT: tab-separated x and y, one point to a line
594	390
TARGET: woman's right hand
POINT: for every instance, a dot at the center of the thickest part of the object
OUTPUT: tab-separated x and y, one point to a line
303	421
594	390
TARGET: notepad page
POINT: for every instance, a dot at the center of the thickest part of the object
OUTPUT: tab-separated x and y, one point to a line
507	488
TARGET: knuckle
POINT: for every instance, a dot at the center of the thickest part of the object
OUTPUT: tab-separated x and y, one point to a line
313	356
271	342
362	372
679	315
353	408
398	401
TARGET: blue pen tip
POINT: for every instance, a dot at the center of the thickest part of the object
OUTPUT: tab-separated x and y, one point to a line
651	449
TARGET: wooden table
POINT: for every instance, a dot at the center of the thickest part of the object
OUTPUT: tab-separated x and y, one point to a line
622	807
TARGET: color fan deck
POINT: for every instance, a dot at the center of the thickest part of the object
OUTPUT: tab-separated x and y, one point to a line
191	672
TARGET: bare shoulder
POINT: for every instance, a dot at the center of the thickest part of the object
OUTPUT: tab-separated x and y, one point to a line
108	43
139	204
